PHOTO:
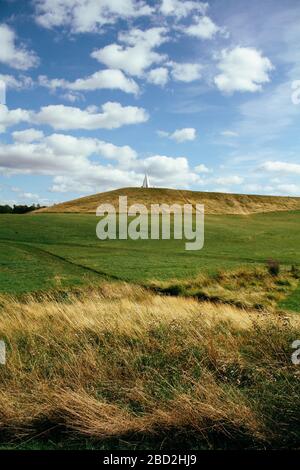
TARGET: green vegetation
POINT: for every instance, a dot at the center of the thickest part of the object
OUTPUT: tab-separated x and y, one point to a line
253	288
96	363
50	251
18	209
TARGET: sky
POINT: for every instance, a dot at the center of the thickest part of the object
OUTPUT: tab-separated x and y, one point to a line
198	95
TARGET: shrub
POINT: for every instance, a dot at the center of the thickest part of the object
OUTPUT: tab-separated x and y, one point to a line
273	267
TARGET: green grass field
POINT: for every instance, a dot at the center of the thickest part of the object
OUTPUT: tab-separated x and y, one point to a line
201	358
45	251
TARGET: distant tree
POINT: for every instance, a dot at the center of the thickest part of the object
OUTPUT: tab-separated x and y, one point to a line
6	209
18	209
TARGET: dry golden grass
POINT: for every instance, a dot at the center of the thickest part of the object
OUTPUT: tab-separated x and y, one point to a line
215	203
123	360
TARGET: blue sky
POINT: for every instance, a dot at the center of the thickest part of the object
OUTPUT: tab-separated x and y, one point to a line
202	96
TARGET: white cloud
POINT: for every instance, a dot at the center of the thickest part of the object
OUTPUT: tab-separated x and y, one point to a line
182	8
289	189
68	160
12	117
164	172
229	180
112	116
63	144
58	153
136	54
72	96
281	167
229	134
28	135
180	135
203	28
16	83
170	171
202	169
103	79
185	72
158	76
243	69
17	57
83	16
31	196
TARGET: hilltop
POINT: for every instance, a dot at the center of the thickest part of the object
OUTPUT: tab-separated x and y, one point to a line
215	203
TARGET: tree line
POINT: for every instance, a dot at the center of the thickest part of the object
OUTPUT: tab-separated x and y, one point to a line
18	209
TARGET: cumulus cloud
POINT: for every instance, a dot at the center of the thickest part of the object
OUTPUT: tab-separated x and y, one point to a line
182	8
103	79
203	28
164	172
185	72
13	55
180	135
158	76
32	198
82	16
136	53
72	96
170	171
68	160
12	117
243	69
28	135
202	169
37	154
229	180
110	116
281	167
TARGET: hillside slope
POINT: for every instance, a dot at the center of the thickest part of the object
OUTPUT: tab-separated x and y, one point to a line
215	203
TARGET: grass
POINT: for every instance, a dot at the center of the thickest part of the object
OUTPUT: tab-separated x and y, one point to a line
195	353
49	251
25	268
215	203
292	301
252	288
122	367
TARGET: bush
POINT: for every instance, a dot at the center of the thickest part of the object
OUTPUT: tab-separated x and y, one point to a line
273	267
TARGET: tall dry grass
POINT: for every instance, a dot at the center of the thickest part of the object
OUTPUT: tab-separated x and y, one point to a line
123	361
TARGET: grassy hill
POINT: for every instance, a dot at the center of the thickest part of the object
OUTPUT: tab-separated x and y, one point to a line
215	203
139	344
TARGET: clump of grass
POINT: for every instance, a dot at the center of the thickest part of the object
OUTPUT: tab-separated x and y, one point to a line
118	363
244	287
295	271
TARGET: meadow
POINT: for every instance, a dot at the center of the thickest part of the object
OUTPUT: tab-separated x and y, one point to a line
50	251
143	345
125	368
